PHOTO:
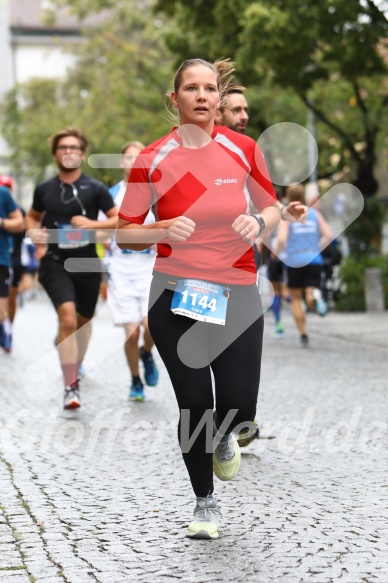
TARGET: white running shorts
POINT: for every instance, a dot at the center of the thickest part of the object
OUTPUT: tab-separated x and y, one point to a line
128	298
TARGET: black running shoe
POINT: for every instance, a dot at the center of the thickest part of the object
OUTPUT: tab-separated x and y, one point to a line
304	340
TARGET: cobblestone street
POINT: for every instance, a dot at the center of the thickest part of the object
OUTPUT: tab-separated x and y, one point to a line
102	494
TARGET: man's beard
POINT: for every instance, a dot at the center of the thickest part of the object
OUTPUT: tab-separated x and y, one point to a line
75	163
239	130
66	168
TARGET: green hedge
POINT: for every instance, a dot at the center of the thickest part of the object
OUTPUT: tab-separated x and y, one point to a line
351	273
365	233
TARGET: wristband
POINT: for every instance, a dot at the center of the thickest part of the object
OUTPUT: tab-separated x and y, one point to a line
261	222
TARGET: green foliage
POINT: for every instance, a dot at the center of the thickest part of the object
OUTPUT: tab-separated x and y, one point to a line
330	51
296	42
364	234
29	115
114	94
285	51
82	8
351	274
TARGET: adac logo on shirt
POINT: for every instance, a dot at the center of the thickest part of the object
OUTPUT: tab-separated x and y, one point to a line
219	181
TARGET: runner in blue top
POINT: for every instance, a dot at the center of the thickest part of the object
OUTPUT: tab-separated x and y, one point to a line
303	244
11	221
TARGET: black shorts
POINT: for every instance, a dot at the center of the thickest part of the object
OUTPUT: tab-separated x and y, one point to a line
18	271
63	286
275	270
306	276
5	280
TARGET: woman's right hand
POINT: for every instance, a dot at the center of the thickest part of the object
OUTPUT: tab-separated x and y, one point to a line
180	229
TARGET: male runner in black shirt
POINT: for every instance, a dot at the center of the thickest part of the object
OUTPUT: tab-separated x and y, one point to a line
69	203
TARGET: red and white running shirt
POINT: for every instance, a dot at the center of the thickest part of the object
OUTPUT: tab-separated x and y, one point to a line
211	185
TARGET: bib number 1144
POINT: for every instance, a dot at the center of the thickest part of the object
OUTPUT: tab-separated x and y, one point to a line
204	301
200	300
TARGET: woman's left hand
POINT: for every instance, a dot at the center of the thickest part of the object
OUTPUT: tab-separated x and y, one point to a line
246	227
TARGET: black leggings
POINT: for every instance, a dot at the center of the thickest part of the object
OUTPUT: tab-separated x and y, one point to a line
232	352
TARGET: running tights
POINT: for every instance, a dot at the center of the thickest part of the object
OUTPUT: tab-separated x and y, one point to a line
190	350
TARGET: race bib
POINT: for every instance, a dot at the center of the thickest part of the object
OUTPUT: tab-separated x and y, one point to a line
200	300
70	237
129	252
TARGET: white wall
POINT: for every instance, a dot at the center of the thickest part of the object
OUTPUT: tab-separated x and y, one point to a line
6	81
33	60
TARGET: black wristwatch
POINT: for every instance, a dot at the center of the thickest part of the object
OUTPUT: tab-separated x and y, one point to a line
261	222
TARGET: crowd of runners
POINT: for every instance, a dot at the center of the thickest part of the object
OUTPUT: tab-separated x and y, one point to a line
194	213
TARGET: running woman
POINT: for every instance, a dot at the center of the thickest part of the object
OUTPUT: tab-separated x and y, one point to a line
69	204
129	281
204	310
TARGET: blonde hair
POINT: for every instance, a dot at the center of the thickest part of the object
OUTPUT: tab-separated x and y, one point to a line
132	144
223	70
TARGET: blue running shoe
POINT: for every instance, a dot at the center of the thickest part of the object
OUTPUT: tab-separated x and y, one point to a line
279	330
2	336
151	373
320	304
136	391
5	339
7	346
322	308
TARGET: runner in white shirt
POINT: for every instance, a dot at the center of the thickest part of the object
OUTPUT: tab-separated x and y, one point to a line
129	280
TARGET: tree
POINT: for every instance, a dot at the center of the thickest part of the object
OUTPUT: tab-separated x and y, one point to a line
29	114
319	50
115	93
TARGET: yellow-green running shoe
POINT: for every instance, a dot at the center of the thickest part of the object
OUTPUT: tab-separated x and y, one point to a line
227	457
206	515
248	434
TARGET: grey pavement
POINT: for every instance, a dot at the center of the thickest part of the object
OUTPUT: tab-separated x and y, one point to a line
102	494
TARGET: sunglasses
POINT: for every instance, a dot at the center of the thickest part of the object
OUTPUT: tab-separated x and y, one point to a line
71	148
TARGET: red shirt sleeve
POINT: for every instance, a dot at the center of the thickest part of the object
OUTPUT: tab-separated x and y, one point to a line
139	194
